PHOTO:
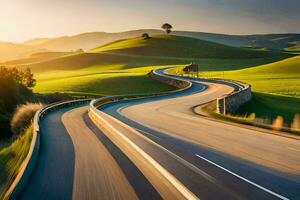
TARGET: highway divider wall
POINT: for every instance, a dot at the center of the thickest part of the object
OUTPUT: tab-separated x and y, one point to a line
28	165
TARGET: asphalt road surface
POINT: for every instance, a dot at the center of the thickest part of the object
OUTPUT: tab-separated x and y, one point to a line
77	161
212	158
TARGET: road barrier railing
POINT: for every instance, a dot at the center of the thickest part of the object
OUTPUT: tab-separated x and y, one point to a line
231	102
28	165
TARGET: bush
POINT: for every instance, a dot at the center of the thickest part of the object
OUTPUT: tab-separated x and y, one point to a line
5	132
23	117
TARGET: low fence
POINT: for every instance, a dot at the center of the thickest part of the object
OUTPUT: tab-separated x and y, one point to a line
27	167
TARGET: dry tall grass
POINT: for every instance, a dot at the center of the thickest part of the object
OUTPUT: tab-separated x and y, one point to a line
296	123
23	116
278	123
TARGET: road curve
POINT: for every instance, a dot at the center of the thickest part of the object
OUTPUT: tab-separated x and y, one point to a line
211	159
96	173
77	161
245	163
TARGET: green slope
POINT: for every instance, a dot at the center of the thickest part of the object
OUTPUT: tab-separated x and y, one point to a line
106	70
94	39
270	106
282	77
287	66
177	46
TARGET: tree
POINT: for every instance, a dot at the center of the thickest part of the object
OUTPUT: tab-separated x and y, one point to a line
146	36
15	87
167	27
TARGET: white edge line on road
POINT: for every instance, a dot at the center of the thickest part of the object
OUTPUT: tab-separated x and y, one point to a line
172	179
244	179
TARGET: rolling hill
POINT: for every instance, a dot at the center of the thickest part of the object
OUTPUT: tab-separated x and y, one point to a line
178	46
86	41
36	57
10	51
287	66
159	50
91	40
263	41
280	77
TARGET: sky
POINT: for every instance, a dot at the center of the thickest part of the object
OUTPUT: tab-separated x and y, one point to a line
21	20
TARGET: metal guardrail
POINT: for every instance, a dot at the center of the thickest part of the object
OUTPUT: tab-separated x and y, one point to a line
30	161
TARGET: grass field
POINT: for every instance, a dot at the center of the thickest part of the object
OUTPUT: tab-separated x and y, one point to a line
281	77
184	47
99	81
271	106
11	158
276	87
121	67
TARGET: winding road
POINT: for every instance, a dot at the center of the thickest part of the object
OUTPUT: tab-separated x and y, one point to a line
213	160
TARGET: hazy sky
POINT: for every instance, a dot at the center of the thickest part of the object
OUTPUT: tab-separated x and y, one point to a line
24	19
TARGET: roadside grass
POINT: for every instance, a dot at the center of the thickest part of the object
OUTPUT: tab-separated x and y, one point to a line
276	88
270	106
11	158
122	66
281	77
107	70
100	82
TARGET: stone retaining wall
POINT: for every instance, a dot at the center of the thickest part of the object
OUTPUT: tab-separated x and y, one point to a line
170	81
230	103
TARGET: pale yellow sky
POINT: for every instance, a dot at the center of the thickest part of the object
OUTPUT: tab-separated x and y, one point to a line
26	19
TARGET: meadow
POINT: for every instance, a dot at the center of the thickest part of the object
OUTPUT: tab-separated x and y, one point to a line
11	158
276	87
122	66
280	78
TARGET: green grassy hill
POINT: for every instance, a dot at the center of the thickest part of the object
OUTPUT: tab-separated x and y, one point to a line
263	41
287	66
281	79
96	71
91	40
160	50
178	46
84	41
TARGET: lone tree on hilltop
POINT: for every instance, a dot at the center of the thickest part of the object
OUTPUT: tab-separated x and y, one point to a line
167	27
146	36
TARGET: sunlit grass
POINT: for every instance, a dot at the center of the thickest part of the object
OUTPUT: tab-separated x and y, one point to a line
11	158
100	80
281	77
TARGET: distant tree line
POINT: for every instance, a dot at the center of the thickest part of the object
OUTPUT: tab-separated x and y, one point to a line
15	88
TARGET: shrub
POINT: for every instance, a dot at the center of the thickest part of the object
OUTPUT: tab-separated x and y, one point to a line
23	117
